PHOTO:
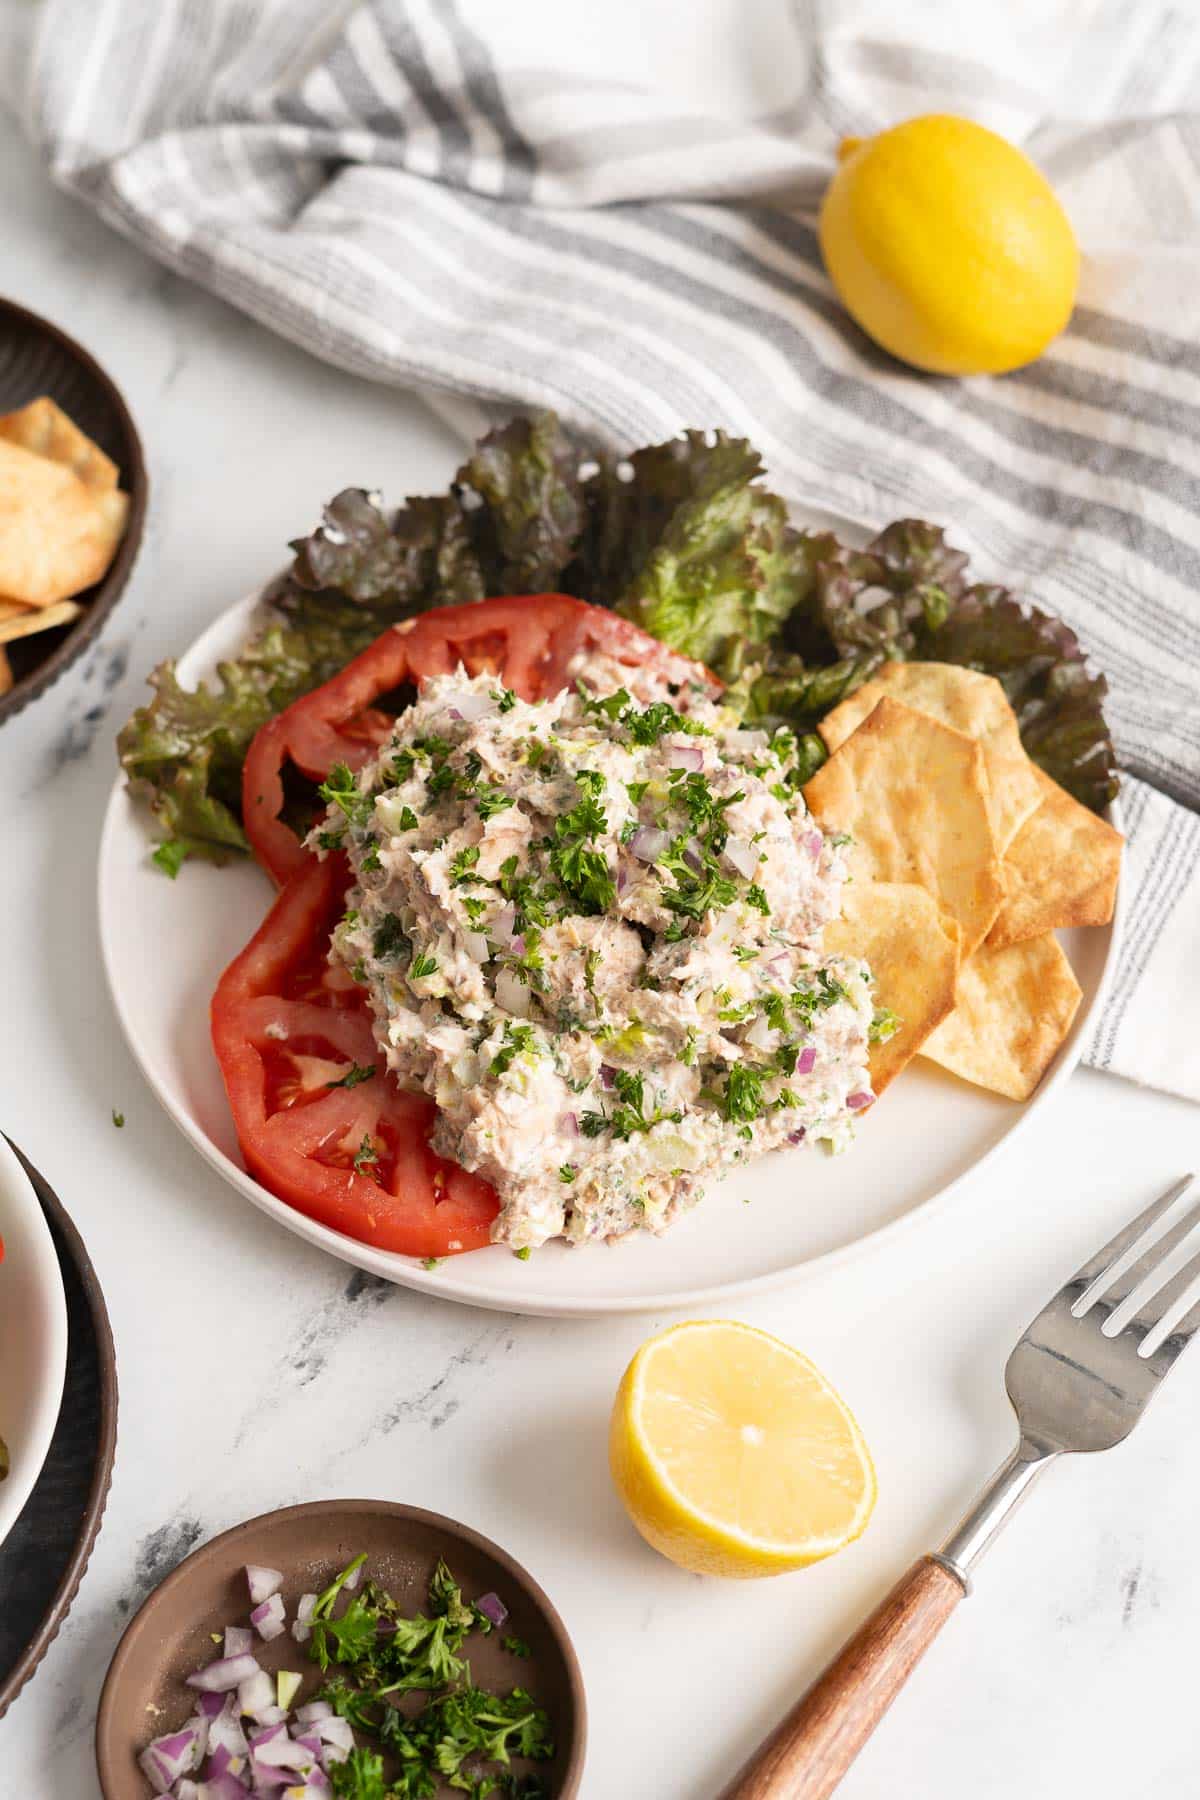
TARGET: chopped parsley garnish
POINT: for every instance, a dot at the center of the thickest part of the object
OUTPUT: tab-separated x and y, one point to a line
431	1262
582	873
490	800
354	1074
421	966
757	899
365	1156
462	863
516	1041
118	1119
630	1116
808	1002
743	1098
523	1254
644	725
567	1172
370	857
745	953
408	819
515	1646
505	699
342	790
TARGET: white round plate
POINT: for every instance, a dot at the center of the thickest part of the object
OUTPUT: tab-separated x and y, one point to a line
165	944
33	1337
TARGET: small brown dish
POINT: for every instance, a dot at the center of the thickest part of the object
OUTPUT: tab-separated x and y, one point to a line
37	358
45	1555
172	1634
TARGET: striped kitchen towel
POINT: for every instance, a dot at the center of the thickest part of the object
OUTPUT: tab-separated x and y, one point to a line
610	210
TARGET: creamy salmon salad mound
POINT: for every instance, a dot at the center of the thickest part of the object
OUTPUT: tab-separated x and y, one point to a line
590	928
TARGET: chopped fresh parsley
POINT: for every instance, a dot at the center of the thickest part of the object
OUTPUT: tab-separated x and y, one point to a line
118	1119
515	1646
583	873
757	899
342	791
630	1116
421	966
516	1041
463	863
408	819
743	1098
505	699
366	1156
490	800
567	1172
356	1073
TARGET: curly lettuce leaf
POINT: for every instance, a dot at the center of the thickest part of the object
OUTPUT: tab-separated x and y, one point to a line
525	477
726	568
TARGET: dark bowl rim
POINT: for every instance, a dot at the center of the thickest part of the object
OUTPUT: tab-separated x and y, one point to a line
401	1511
108	590
93	1512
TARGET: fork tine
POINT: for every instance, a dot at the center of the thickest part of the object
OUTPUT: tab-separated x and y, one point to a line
1110	1294
1159	1302
1085	1279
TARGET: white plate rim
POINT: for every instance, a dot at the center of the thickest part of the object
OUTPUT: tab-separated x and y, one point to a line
35	1266
442	1281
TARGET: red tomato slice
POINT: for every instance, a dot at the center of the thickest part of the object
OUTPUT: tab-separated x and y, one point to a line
528	643
286	1025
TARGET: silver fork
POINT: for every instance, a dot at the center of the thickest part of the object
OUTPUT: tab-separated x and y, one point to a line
1077	1382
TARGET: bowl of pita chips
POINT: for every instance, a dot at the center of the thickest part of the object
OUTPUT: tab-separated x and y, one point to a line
966	860
72	503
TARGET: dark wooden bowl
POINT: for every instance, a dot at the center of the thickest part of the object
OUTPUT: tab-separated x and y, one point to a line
45	1555
144	1696
37	358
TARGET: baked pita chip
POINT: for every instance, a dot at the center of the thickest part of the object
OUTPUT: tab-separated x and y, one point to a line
32	619
57	536
1060	869
913	795
912	950
1014	1008
968	701
47	430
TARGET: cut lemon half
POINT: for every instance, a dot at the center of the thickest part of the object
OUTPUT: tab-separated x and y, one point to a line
733	1454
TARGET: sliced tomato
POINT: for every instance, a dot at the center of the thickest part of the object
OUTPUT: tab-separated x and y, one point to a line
287	1027
528	643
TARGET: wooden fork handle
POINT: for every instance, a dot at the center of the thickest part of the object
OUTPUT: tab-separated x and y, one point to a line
808	1753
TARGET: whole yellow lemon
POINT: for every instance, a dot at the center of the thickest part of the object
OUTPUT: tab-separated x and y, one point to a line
949	247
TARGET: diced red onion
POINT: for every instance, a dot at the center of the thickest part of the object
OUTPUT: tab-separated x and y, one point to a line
262	1582
268	1736
282	1753
806	1062
492	1607
167	1758
256	1694
469	707
270	1715
798	1136
211	1704
226	1734
814	843
317	1787
238	1640
477	946
313	1710
759	1033
225	1787
648	843
308	1740
269	1618
692	856
222	1676
742	855
862	1098
569	1123
218	1762
186	1789
685	756
504	926
622	879
511	994
338	1738
607	1075
302	1626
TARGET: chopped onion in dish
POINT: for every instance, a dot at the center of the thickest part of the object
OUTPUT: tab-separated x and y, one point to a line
256	1694
269	1618
686	756
759	1033
492	1607
169	1757
337	1736
806	1062
469	707
211	1704
511	994
238	1640
313	1710
859	1100
742	855
225	1732
223	1675
477	946
569	1124
262	1582
301	1624
648	843
504	926
814	843
355	1576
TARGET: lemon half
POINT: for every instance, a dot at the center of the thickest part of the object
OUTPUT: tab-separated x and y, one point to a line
949	247
734	1456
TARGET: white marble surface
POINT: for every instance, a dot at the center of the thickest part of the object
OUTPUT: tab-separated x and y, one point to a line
255	1372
